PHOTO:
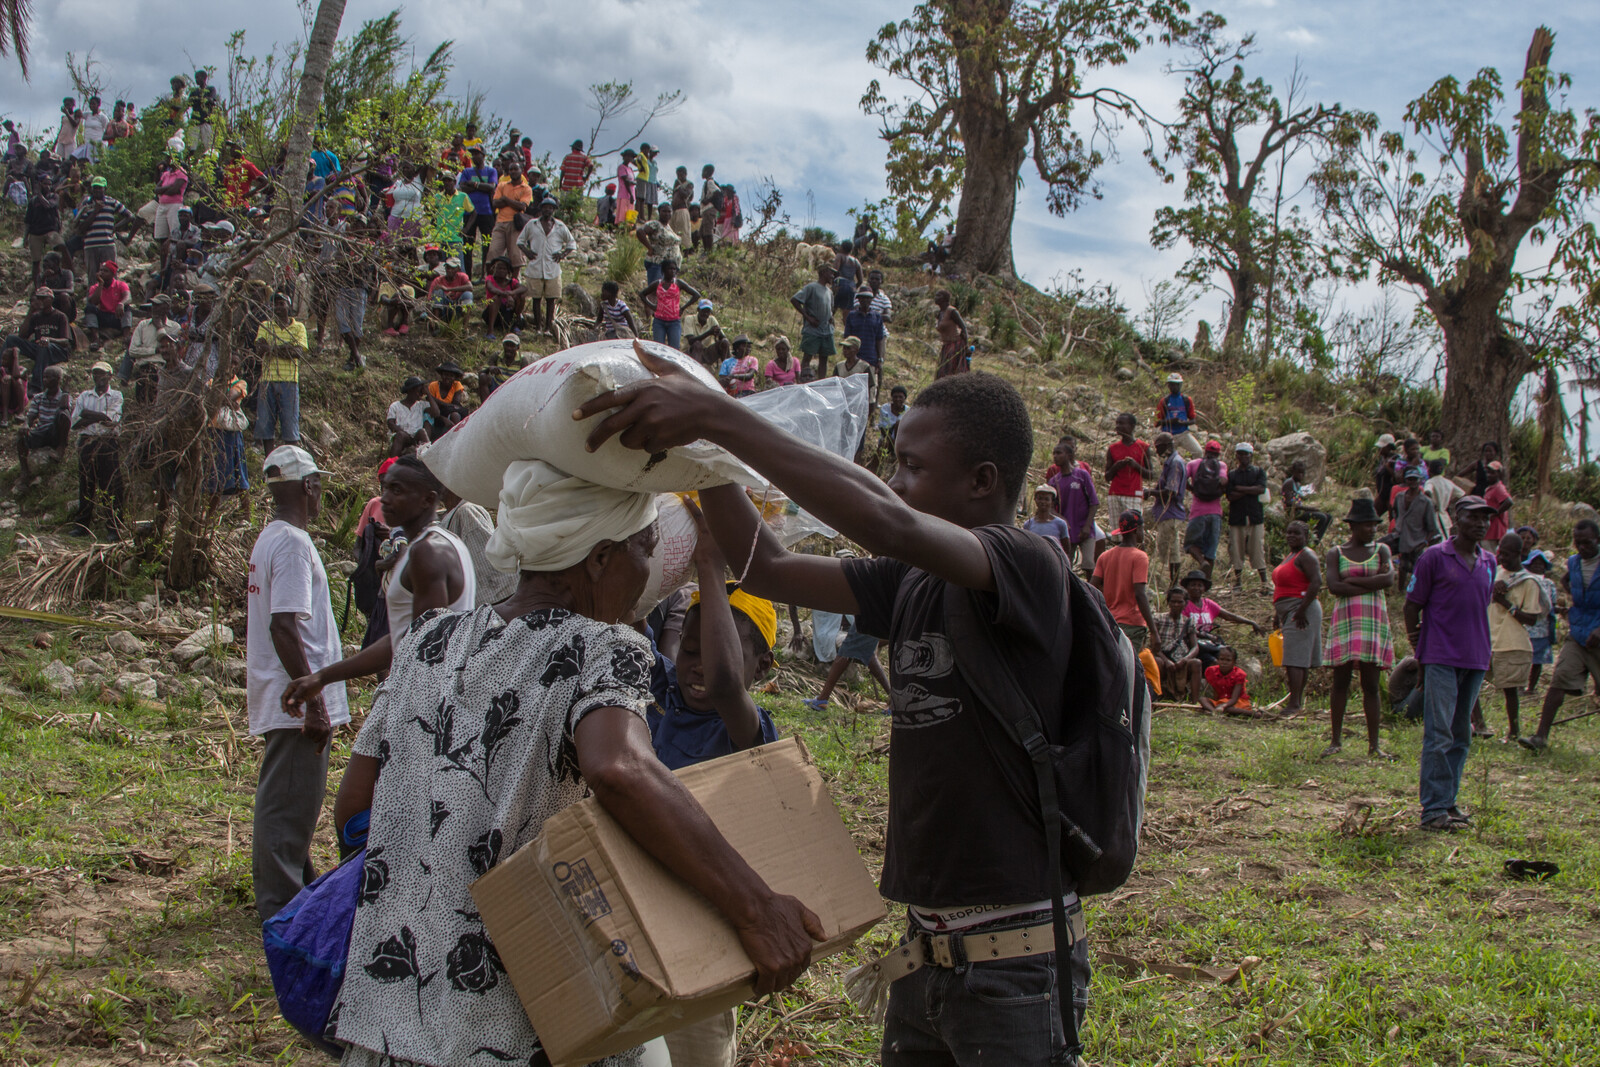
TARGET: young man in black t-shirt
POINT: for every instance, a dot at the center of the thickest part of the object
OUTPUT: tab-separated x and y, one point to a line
966	846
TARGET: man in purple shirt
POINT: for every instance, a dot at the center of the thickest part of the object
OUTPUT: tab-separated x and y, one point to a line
1078	502
1447	619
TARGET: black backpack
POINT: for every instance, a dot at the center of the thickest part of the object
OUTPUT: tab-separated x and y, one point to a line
1209	482
1091	785
364	580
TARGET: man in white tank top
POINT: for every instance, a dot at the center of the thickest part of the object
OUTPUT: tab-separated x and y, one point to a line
434	571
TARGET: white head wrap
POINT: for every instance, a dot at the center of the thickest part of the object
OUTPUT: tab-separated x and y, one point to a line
550	520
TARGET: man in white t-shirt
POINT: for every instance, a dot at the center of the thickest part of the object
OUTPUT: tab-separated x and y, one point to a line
292	632
408	417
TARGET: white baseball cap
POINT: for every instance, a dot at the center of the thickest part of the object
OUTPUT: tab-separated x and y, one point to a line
292	464
1174	379
1244	446
1386	440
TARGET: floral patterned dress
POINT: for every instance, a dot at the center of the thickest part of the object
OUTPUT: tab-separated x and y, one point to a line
473	734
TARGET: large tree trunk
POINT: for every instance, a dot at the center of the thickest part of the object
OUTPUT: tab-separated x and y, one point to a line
1239	311
291	194
1483	368
988	202
994	142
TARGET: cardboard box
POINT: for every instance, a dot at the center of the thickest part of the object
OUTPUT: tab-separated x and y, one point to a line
608	949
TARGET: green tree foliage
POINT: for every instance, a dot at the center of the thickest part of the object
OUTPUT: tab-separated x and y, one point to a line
1449	218
1229	133
15	19
990	84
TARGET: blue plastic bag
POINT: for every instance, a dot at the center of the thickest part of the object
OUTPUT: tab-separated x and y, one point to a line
307	944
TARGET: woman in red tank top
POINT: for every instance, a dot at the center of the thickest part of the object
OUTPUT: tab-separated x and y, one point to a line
1295	585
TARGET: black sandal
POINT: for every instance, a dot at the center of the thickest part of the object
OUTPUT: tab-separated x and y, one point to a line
1532	870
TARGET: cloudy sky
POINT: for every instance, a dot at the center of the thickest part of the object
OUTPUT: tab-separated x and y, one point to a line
771	89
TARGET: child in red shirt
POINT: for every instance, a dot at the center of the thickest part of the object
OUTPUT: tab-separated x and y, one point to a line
1227	681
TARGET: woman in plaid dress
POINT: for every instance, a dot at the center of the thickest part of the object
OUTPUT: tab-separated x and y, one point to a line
1358	572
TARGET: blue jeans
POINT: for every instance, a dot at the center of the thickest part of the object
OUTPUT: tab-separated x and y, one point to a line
1448	694
990	1012
667	333
278	408
652	273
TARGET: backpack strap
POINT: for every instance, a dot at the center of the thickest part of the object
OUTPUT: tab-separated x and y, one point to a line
1022	720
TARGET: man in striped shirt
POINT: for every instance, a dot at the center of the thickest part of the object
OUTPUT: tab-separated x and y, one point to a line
98	218
48	420
576	167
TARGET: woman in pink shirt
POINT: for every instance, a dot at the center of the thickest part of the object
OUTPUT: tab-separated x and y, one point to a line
664	298
781	369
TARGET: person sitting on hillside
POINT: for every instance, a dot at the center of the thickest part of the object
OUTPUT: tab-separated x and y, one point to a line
1177	647
706	342
48	421
781	369
616	318
97	416
108	308
504	297
142	342
447	397
738	371
408	417
1225	684
1295	494
58	278
1175	415
449	294
42	340
1208	614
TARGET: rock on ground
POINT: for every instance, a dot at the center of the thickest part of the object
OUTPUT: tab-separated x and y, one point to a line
201	642
142	686
1285	450
125	644
581	301
60	677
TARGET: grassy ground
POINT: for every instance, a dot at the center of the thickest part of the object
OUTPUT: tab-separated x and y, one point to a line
127	932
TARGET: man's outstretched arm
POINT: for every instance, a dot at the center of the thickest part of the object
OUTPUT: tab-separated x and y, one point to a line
674	409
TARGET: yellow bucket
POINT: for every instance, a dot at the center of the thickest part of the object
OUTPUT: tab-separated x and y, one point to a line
1275	647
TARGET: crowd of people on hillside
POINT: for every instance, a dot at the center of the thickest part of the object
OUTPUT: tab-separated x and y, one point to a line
1481	600
451	238
513	631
